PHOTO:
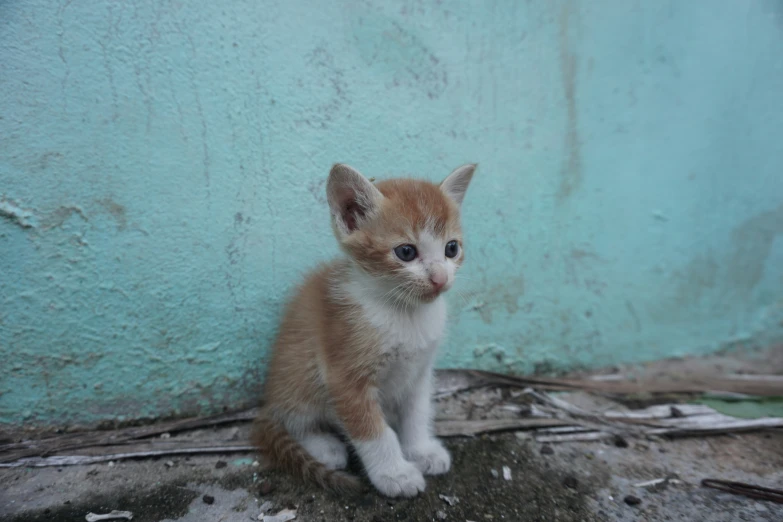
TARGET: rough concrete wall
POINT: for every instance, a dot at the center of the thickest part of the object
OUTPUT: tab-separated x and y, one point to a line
162	171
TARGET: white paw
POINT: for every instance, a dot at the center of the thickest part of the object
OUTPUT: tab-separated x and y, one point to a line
402	479
430	457
327	449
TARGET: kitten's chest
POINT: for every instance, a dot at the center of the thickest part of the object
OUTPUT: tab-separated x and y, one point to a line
409	336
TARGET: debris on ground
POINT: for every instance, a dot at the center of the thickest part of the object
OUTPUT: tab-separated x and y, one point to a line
281	516
451	501
657	484
632	500
114	515
534	404
637	442
747	490
506	473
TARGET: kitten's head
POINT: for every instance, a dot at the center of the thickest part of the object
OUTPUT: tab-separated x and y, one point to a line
404	233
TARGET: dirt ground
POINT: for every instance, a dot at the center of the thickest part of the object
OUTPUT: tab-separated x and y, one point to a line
573	481
567	482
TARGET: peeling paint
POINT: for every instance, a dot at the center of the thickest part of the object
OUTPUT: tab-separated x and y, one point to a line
15	214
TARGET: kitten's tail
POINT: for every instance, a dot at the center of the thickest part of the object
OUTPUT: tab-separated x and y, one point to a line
283	452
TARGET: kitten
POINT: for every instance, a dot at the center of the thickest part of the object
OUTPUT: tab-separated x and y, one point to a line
355	351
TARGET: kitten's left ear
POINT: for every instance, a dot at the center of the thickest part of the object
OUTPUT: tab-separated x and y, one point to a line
456	183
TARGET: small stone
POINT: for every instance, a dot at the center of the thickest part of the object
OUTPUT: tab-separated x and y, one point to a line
266	487
506	473
440	515
220	464
620	442
632	500
547	449
208	499
494	473
169	463
570	482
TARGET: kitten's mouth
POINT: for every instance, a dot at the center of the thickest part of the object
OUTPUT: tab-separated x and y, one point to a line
433	294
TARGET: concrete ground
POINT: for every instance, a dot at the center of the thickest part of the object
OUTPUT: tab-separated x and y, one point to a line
567	482
575	481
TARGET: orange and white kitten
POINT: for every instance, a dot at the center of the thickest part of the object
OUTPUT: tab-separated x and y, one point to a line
355	351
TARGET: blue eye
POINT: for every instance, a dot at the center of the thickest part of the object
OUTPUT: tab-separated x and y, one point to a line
406	252
452	249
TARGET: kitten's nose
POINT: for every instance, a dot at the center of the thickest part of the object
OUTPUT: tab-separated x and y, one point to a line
438	279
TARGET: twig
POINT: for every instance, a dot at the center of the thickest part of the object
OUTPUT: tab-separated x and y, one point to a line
74	441
467	428
76	460
92	517
573	437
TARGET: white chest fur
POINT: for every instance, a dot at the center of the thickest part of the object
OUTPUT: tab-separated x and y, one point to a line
409	340
409	336
408	332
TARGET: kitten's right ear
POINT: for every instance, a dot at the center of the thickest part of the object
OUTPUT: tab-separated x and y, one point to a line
456	183
352	198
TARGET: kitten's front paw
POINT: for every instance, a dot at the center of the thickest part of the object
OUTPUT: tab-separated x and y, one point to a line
430	457
400	480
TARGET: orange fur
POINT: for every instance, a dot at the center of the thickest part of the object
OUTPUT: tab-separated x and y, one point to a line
325	363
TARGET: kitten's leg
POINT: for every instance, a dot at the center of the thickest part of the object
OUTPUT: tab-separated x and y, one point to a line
418	443
307	430
327	449
375	442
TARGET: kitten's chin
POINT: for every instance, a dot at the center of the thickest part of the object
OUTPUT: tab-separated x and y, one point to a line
429	297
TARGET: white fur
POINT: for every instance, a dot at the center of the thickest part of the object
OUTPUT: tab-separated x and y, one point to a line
415	428
327	449
386	468
432	258
410	335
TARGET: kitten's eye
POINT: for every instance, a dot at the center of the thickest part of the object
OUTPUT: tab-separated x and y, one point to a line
452	248
406	252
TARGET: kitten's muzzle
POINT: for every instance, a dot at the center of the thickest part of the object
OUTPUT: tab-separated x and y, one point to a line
438	279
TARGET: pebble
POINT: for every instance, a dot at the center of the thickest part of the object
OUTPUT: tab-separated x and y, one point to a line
440	515
208	499
220	464
620	442
546	449
570	482
632	500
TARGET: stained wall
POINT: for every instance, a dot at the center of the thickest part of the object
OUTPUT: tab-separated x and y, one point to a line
162	170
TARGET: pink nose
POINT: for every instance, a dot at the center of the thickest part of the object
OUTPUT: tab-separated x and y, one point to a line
438	280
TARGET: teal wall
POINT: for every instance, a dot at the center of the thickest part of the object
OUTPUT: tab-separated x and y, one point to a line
162	170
